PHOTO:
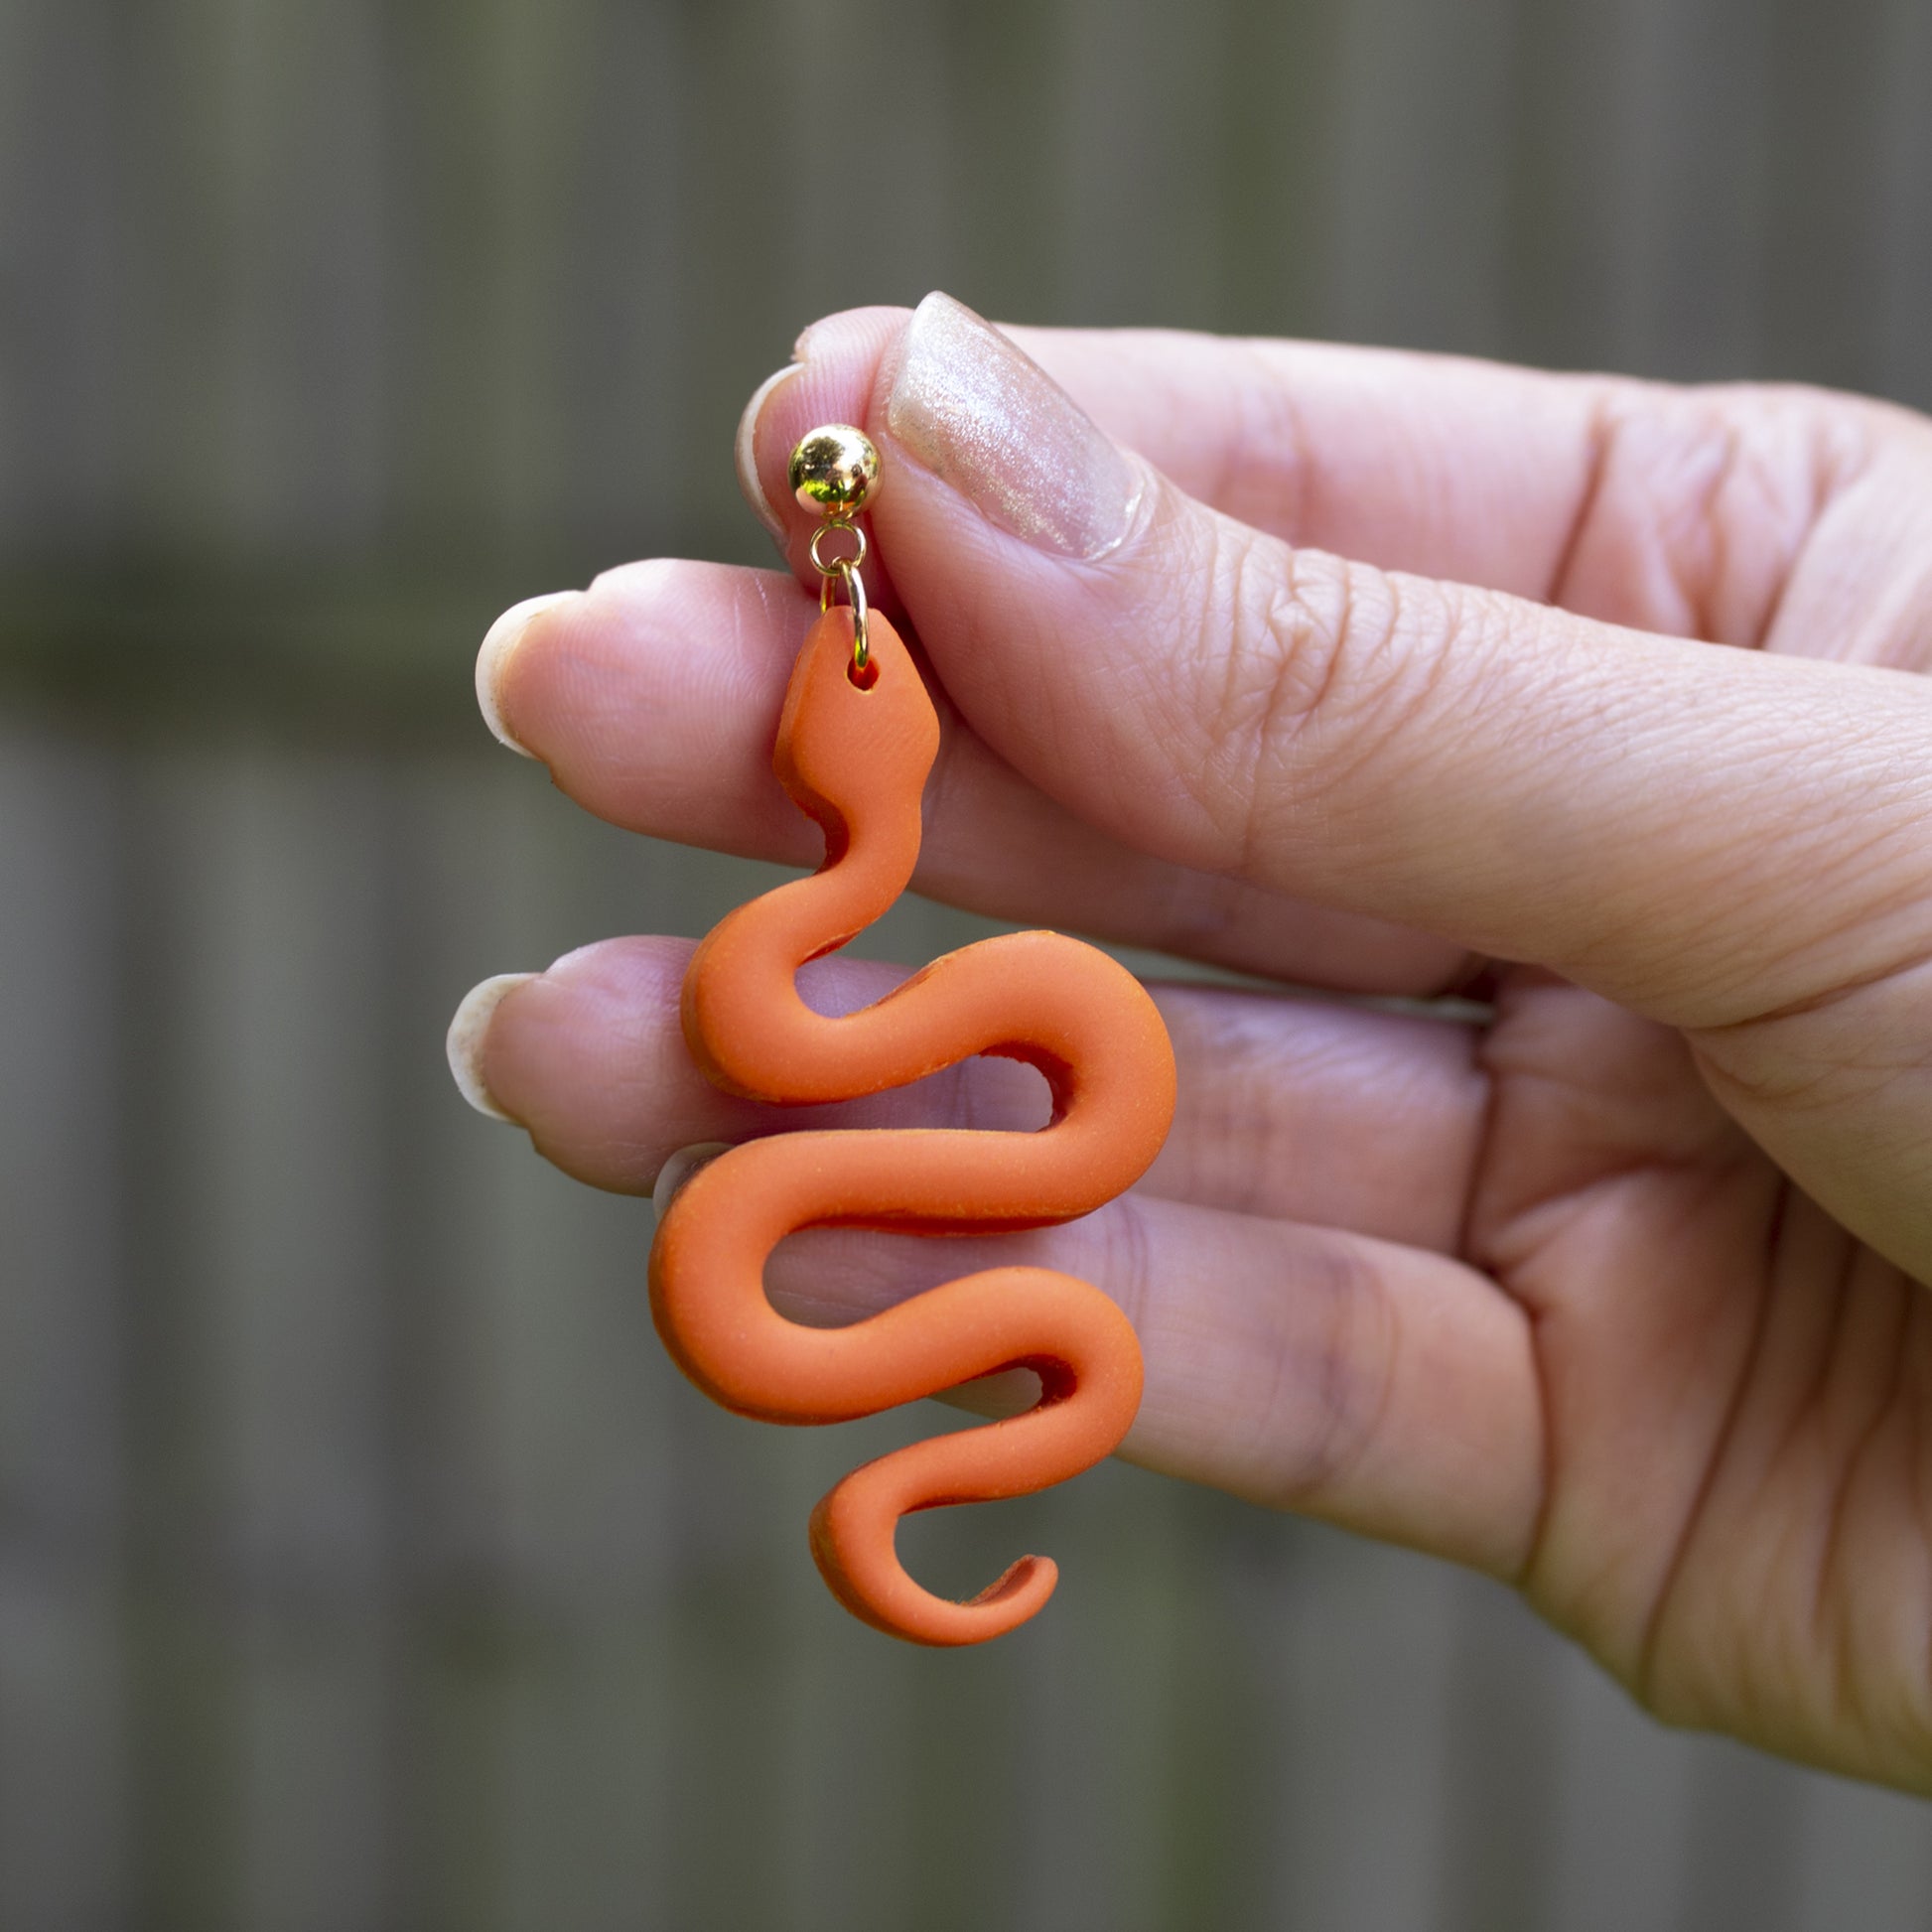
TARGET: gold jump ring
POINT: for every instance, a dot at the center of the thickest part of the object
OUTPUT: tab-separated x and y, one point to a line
829	567
845	570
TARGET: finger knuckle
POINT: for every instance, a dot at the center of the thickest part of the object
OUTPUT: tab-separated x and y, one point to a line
1718	488
1325	663
1334	1362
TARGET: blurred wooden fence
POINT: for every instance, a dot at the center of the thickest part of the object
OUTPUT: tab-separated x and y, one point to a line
362	1563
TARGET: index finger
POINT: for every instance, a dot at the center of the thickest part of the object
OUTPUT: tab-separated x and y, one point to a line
1666	509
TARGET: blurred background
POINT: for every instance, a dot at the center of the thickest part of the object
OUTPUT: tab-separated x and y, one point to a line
362	1564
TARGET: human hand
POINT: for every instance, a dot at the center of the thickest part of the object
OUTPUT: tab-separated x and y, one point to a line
1617	1296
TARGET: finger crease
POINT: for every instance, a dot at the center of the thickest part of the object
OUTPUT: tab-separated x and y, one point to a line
1599	437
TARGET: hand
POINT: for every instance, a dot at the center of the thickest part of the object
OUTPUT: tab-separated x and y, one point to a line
1616	1295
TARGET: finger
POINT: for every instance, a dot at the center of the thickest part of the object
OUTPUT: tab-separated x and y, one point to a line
1287	1107
1379	1387
1438	465
1666	509
653	698
1527	782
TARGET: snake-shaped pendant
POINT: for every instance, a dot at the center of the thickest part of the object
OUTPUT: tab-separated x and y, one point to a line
855	744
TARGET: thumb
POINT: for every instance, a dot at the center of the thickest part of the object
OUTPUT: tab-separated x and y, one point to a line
1705	835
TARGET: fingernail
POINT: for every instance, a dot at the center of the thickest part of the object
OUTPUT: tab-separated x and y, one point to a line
992	423
468	1031
498	646
680	1167
747	452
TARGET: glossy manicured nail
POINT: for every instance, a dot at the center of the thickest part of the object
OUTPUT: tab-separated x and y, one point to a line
680	1167
992	423
747	452
468	1031
498	646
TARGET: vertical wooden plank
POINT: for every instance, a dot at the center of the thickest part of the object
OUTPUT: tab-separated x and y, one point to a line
624	325
545	1471
1619	1850
1416	231
488	127
1139	1804
446	175
1696	272
196	236
1000	65
182	79
1825	249
842	1725
1865	1859
247	320
1743	1863
62	394
178	1649
1903	191
872	82
1590	178
733	99
280	960
1284	115
291	186
1140	115
1361	1696
530	68
62	1797
1640	194
1500	1763
64	1768
319	389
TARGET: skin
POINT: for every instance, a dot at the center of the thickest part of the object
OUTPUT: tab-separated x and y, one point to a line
1407	678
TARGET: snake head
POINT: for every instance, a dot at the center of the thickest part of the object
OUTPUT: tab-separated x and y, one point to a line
854	747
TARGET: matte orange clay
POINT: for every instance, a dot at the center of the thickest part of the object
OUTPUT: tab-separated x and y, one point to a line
855	759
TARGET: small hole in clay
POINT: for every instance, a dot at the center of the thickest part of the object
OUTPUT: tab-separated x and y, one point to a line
866	676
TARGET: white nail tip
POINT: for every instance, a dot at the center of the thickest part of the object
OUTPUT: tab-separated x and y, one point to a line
468	1031
746	450
680	1167
499	644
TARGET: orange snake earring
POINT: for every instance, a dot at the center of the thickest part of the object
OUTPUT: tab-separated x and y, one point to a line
856	741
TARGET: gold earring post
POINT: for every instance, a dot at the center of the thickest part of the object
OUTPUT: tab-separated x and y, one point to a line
834	470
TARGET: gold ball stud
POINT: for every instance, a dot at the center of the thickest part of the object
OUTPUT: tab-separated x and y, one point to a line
834	470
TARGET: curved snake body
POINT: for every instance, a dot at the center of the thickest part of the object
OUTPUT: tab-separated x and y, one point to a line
855	757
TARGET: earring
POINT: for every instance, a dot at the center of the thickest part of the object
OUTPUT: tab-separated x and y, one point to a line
856	741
